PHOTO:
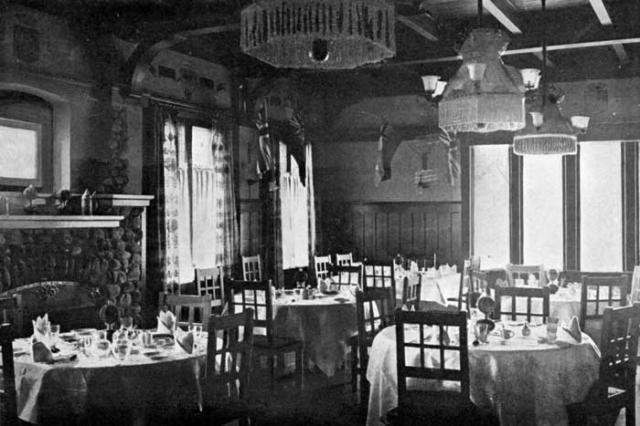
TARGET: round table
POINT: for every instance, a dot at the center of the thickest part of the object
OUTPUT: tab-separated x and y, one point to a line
143	383
523	381
324	325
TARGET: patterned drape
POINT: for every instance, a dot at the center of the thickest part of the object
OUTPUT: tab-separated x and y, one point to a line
162	180
227	235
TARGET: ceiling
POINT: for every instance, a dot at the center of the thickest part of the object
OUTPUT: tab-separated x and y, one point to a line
586	38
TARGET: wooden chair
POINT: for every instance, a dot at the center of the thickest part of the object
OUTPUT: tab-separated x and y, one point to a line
374	311
210	281
228	368
442	335
472	283
251	268
411	293
322	265
346	276
530	294
599	292
515	272
616	385
345	259
378	275
12	312
256	295
8	403
188	309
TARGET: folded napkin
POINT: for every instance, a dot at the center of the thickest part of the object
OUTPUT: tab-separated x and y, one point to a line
41	352
41	328
166	322
184	339
574	329
414	266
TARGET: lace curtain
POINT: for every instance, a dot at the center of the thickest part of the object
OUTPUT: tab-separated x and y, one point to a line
294	205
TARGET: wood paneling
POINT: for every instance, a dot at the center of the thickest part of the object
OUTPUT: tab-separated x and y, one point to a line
250	227
382	230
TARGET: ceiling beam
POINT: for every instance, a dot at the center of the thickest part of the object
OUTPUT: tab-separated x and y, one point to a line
422	24
526	50
505	13
621	53
601	12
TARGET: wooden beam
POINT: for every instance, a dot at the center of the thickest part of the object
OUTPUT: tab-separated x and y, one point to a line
504	12
601	12
525	51
422	24
621	53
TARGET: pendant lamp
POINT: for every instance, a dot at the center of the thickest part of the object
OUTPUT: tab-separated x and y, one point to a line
549	132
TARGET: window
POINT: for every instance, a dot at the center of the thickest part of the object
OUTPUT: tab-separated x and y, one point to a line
490	204
600	206
542	227
20	144
202	186
294	211
25	142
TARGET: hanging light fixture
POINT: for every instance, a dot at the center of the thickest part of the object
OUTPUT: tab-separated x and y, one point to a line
547	131
318	34
485	95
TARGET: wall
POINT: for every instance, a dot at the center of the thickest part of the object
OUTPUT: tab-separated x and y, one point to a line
396	216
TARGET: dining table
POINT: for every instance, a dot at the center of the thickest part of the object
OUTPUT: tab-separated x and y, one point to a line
161	376
323	322
524	380
436	287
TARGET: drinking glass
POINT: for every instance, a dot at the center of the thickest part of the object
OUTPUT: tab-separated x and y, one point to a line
122	349
552	329
481	330
196	330
55	334
86	343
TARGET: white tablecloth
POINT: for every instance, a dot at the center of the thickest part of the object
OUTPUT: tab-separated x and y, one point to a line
564	304
71	389
523	381
434	289
324	325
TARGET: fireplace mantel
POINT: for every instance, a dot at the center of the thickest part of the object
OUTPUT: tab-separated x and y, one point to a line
58	221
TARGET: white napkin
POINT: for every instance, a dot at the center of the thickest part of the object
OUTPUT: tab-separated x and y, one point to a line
444	269
166	322
432	273
184	339
414	266
574	329
41	328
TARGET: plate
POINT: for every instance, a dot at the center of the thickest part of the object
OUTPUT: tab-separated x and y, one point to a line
158	357
85	331
341	299
151	353
330	292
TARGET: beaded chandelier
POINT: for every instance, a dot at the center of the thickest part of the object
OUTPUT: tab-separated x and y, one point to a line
318	34
485	95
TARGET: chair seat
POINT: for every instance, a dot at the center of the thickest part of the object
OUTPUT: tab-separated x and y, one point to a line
278	343
468	414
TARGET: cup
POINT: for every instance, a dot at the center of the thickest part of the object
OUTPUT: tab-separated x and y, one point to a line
481	330
55	334
147	339
552	329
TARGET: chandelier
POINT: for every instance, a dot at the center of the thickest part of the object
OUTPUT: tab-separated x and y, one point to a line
485	95
318	34
548	131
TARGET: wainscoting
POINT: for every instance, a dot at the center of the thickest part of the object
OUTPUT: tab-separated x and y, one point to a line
382	230
250	227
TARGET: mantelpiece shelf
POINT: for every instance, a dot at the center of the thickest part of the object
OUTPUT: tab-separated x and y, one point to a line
58	222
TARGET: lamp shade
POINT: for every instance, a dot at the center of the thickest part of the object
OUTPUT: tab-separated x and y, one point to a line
556	135
430	82
318	34
530	78
485	95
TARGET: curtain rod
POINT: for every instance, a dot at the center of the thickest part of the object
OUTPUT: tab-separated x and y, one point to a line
190	107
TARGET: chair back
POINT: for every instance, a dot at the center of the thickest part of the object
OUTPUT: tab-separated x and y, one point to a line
189	309
9	414
431	347
472	283
210	281
522	303
517	272
411	292
254	295
634	295
347	276
344	259
12	312
374	311
378	275
229	357
322	264
619	346
251	268
599	292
